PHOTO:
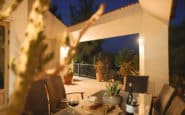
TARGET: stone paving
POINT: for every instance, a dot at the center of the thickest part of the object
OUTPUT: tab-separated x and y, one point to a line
87	85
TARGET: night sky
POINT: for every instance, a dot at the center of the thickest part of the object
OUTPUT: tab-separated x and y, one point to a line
63	10
179	15
115	44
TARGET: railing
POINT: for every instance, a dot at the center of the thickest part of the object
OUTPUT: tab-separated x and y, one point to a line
84	70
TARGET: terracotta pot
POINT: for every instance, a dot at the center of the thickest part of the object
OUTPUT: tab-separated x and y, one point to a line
99	76
68	79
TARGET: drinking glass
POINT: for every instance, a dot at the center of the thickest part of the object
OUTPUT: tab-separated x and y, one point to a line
73	102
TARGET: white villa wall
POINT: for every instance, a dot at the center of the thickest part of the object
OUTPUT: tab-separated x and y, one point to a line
18	22
155	35
158	8
123	22
114	28
53	28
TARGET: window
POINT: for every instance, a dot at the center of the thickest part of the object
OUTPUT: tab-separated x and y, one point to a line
3	53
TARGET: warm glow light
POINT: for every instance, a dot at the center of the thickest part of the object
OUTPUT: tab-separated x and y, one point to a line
64	51
140	41
141	54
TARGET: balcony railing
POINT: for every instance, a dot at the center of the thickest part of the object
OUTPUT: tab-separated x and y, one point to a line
84	70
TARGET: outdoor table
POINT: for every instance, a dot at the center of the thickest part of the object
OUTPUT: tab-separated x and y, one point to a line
144	101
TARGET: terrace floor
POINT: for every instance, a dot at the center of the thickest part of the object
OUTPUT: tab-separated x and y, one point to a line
87	85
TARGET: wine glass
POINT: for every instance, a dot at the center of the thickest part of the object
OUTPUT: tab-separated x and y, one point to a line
73	102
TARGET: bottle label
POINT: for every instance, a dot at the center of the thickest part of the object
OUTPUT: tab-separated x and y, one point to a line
129	108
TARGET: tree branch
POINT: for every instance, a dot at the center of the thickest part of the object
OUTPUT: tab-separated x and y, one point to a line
7	12
25	74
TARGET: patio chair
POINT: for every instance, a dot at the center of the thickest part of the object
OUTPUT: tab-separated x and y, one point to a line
139	83
163	100
57	93
177	107
37	102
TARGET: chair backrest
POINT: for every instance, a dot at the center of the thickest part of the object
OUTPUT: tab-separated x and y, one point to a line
177	106
56	91
37	102
165	97
139	83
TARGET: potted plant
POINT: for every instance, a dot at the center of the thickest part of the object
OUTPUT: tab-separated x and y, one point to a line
127	62
99	66
126	68
68	77
112	93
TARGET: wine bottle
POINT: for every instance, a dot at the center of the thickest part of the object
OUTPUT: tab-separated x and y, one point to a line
129	107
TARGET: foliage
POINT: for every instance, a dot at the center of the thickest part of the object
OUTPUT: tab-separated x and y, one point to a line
99	57
114	75
127	61
124	55
101	62
85	49
99	66
69	72
113	88
176	54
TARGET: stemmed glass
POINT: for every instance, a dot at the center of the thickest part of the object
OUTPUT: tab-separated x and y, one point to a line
73	102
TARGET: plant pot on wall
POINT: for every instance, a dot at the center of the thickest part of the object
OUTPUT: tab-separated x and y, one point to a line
99	76
68	79
99	70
